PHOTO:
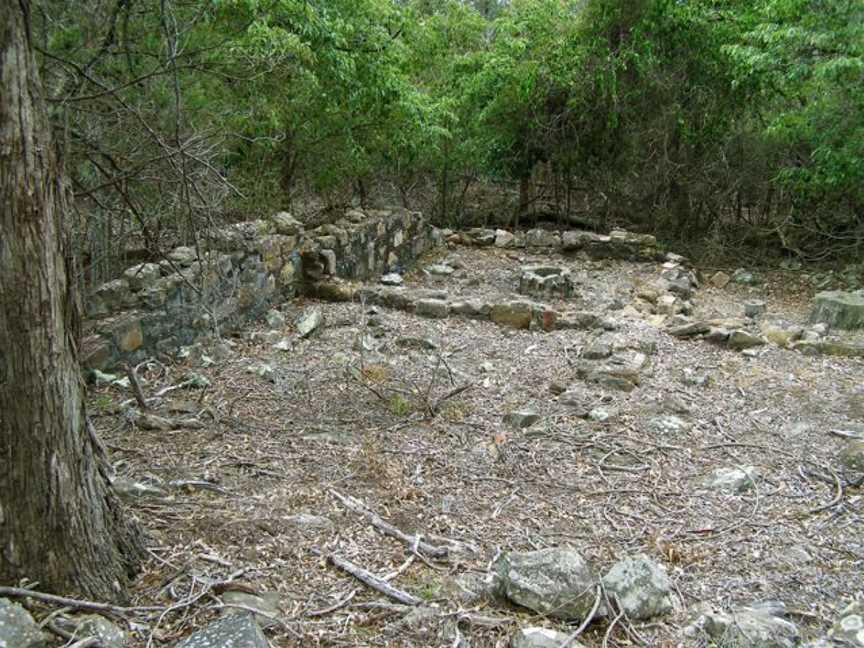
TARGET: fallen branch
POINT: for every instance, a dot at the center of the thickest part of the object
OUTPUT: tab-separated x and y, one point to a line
372	581
390	530
19	592
578	631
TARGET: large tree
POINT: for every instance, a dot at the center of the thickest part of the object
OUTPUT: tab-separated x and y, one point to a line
60	523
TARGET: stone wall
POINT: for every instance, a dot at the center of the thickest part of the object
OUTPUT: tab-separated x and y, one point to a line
236	274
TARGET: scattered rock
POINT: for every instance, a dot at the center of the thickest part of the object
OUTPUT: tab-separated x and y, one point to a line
231	631
696	378
740	340
183	256
849	627
600	414
17	628
843	310
264	371
838	349
283	345
541	638
275	319
391	279
733	480
556	582
598	351
431	308
521	418
93	625
267	603
755	308
440	270
620	372
753	627
309	322
720	279
744	277
852	457
643	587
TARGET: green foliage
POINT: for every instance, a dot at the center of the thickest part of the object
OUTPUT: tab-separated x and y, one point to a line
685	116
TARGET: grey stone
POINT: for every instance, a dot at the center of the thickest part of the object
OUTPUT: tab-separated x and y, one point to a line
556	582
849	627
546	281
286	224
542	238
755	308
541	638
620	372
275	319
17	628
504	239
474	589
733	480
643	587
265	603
309	322
93	625
746	627
183	256
471	308
110	297
744	277
828	347
431	308
264	371
391	279
740	340
852	456
231	631
521	418
440	270
143	276
420	344
843	310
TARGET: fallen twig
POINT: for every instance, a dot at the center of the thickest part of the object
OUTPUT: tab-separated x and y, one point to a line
372	581
388	529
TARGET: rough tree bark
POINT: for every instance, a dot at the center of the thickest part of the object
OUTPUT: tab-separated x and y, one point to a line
60	523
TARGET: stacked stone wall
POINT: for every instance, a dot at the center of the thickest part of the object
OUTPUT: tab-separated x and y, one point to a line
237	273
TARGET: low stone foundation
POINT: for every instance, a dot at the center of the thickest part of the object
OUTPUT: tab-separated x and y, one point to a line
618	244
236	274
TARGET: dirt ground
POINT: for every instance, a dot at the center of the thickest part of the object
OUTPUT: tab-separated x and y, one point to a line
390	427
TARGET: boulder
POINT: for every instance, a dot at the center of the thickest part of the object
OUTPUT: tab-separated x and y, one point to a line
286	224
232	631
504	239
740	340
98	627
755	308
852	457
848	630
143	276
542	238
391	279
275	319
843	310
556	582
440	270
309	322
643	587
754	627
17	628
541	638
521	418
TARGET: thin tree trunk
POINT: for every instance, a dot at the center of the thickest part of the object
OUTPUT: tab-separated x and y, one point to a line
60	523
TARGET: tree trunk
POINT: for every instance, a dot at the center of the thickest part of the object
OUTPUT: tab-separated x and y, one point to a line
60	522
